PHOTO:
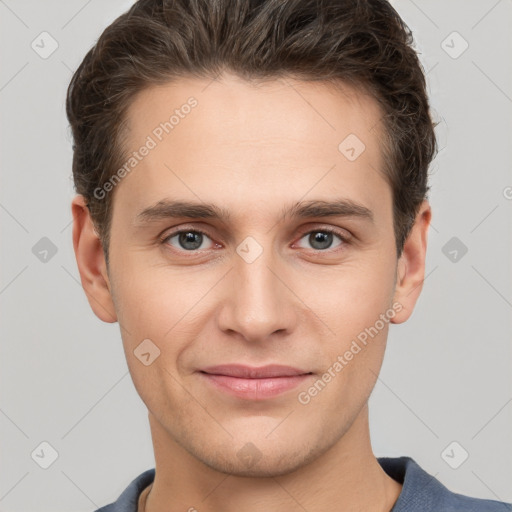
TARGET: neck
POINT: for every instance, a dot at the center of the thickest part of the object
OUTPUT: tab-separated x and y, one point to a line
347	474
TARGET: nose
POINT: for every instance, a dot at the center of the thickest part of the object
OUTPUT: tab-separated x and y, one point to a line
258	300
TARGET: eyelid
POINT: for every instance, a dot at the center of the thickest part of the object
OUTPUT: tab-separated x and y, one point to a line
167	234
343	234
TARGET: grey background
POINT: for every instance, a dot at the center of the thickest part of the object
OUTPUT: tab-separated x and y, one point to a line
64	379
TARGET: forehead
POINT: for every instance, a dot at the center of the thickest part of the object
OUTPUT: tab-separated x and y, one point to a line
269	111
234	142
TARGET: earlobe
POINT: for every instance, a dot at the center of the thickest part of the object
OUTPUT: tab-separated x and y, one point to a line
91	262
411	265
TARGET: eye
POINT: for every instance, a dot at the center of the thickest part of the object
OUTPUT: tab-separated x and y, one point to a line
187	239
191	240
321	239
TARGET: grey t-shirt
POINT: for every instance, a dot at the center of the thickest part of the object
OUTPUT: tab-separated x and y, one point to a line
421	492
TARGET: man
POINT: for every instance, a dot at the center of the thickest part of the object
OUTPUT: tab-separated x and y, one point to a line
252	210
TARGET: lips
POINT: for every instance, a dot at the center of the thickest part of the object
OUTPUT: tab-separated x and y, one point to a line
253	383
248	372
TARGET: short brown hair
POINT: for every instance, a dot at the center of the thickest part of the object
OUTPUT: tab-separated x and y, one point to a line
360	42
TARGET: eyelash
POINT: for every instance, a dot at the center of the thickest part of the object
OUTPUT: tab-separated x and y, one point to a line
344	239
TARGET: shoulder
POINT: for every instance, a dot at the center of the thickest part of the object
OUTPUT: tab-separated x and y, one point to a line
127	501
423	492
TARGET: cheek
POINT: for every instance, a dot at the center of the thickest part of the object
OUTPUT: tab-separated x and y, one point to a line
350	298
153	307
165	306
356	306
147	307
353	357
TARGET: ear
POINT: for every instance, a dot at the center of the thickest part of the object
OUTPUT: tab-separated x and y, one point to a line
91	262
411	265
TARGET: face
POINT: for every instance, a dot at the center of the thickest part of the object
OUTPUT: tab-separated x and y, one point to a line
289	261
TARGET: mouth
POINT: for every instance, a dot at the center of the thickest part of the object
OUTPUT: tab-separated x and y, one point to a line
254	383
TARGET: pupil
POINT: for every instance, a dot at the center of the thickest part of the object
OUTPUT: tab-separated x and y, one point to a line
190	238
321	238
324	240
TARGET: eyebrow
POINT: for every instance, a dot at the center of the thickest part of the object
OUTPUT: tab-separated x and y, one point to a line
169	209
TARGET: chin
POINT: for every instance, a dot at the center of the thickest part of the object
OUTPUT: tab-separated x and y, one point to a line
263	458
266	465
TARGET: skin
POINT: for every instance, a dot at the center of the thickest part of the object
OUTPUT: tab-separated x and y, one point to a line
253	150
